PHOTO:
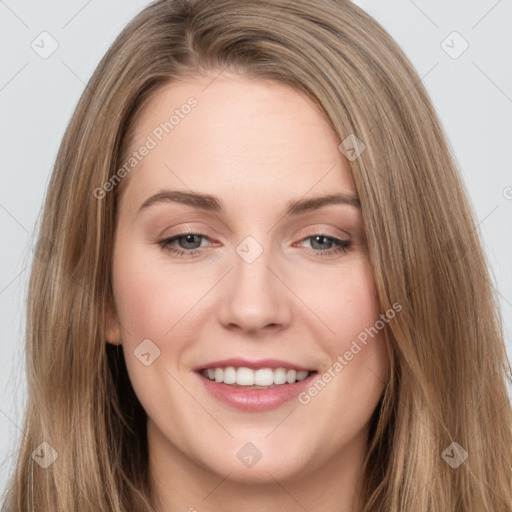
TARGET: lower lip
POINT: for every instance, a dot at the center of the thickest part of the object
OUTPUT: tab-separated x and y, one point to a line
255	400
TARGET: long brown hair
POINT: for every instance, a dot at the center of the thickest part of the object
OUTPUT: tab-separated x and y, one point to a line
447	382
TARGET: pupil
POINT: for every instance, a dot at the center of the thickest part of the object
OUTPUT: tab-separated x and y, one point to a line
189	239
319	239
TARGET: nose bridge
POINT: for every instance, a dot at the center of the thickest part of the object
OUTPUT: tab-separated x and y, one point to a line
255	297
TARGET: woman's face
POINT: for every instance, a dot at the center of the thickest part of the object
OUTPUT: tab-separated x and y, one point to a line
253	272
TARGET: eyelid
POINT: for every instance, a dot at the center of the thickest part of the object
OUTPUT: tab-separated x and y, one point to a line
314	229
188	228
317	228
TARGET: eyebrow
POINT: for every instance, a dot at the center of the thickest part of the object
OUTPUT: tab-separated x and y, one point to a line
212	203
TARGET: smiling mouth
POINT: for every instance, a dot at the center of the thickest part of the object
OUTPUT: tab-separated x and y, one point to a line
247	378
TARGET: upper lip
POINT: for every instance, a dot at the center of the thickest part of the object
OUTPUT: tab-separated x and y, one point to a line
255	365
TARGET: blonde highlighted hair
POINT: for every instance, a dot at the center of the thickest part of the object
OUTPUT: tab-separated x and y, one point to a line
449	366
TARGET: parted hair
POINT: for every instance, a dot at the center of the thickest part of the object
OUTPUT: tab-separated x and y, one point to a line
449	369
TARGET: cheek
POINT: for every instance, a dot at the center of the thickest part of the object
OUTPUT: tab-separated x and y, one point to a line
348	302
357	366
151	296
356	339
150	301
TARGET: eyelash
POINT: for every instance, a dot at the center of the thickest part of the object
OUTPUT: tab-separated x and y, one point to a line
342	245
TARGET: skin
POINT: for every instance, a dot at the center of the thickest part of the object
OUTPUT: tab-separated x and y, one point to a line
257	145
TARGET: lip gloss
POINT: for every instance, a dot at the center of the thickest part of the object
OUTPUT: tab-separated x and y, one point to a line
255	400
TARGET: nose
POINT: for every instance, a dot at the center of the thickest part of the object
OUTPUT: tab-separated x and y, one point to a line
255	298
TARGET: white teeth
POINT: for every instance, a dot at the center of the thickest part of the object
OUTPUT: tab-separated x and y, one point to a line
245	377
229	375
248	377
302	375
290	376
279	376
264	377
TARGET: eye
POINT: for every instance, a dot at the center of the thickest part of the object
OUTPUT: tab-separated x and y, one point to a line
190	244
336	245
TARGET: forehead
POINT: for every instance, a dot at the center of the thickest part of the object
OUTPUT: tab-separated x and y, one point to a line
237	137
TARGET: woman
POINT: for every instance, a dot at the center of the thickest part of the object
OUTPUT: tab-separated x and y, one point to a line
193	344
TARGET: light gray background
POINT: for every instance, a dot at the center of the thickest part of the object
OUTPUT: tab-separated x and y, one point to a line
472	93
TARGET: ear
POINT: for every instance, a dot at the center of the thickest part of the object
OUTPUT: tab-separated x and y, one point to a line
113	331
